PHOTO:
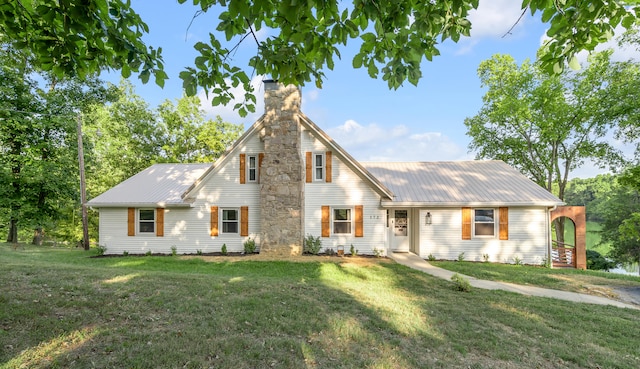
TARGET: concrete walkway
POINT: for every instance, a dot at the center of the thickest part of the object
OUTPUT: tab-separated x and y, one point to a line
414	261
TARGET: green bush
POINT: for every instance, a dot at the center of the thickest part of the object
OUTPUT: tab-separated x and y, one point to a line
378	252
596	261
461	256
460	283
249	246
353	250
223	251
101	249
174	250
430	257
312	245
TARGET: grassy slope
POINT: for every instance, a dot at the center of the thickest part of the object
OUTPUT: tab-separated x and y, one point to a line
59	308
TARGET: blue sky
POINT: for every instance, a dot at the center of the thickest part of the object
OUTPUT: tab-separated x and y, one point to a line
373	123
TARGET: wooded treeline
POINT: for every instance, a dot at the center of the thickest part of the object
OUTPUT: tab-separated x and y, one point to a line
122	134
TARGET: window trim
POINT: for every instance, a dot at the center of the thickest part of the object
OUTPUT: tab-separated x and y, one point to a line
249	168
139	222
350	221
474	222
317	167
223	221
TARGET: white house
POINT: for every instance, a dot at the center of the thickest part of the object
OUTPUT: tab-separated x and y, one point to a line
285	179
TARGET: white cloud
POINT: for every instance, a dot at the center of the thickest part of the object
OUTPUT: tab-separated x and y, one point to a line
227	112
398	143
619	53
311	95
494	18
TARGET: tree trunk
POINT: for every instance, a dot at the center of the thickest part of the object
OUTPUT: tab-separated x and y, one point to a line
559	223
38	236
12	237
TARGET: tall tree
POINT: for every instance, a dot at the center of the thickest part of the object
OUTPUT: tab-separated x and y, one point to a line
621	225
593	193
38	137
80	38
122	139
545	125
16	106
190	137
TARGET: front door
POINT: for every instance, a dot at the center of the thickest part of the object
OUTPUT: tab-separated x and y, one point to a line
400	230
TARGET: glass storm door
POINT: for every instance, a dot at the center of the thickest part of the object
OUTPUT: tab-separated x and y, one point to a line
400	230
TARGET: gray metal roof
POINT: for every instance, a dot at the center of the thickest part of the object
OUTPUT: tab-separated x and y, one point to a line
455	183
158	185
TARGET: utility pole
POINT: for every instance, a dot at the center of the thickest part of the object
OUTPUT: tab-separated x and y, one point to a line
83	185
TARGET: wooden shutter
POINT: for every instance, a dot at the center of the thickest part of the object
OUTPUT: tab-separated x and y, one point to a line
326	223
244	221
243	171
160	222
503	218
466	223
131	222
309	167
359	221
214	221
260	159
327	158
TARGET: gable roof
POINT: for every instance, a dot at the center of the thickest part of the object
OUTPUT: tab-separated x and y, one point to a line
361	171
459	183
160	185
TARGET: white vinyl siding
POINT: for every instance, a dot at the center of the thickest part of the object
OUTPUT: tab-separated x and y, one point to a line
346	190
189	228
528	237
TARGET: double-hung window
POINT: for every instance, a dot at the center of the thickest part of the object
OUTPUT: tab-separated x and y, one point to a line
318	167
230	220
252	168
342	221
146	221
484	222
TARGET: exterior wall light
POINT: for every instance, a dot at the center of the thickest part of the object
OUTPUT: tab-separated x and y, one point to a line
427	219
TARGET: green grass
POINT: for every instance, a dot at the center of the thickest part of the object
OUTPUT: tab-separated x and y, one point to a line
60	308
561	279
593	239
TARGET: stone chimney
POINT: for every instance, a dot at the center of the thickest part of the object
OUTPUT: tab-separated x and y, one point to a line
281	172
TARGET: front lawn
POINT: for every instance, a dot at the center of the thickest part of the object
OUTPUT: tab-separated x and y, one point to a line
60	308
559	279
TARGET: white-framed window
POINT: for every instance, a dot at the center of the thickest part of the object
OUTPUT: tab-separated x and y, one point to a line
484	222
252	168
318	167
230	221
146	220
342	221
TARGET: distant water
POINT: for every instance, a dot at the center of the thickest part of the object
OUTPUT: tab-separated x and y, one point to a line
631	269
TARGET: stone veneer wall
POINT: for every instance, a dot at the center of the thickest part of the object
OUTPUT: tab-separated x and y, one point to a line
281	173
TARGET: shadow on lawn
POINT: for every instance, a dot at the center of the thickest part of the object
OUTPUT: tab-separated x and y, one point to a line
192	314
